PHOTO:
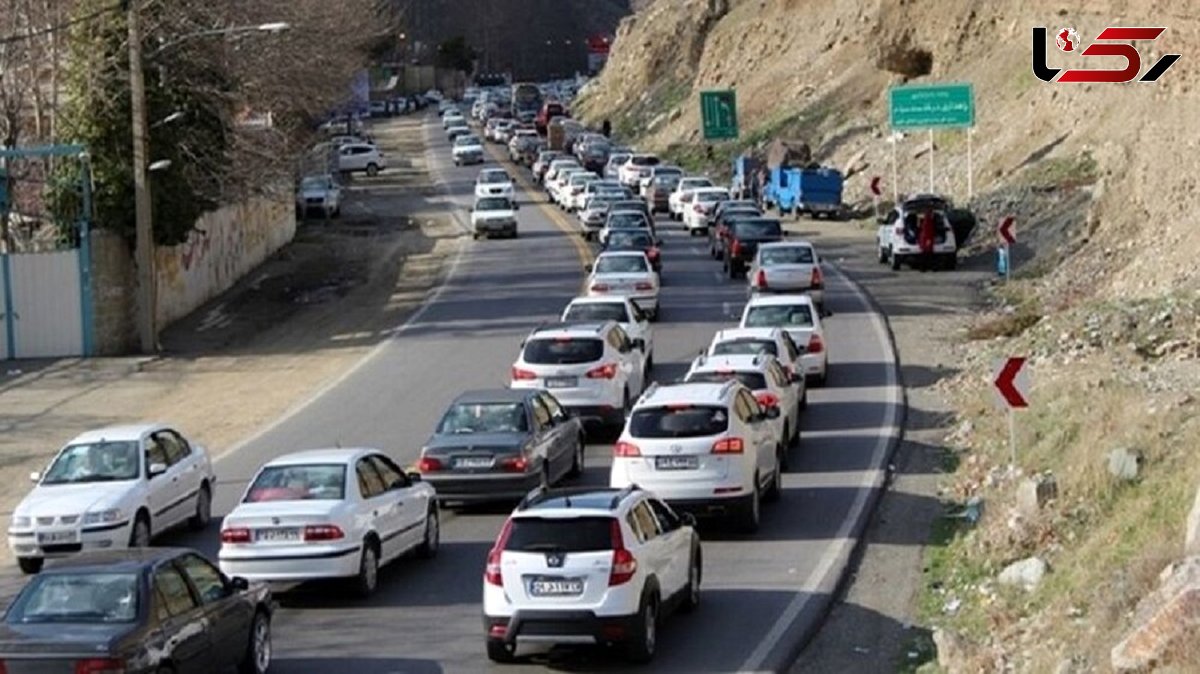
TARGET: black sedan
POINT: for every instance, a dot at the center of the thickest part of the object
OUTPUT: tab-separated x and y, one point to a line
139	610
499	444
639	240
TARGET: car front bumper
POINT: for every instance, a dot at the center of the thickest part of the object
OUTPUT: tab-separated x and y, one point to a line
28	543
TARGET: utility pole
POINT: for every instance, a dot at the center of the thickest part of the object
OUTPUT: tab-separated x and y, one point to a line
147	304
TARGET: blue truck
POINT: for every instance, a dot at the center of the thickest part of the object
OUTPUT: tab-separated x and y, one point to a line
745	177
813	191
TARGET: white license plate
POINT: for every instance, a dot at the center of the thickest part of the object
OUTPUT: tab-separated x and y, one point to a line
562	382
53	537
474	462
565	587
277	535
677	462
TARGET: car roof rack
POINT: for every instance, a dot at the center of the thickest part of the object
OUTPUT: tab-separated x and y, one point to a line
622	495
536	494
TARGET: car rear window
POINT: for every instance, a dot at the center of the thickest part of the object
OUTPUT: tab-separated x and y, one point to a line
707	197
779	315
745	347
751	380
621	264
759	229
788	255
568	351
678	421
82	597
626	220
573	534
644	160
299	482
597	311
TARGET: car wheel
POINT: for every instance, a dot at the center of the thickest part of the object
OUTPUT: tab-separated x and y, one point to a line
433	534
139	537
30	565
951	262
803	406
751	515
258	652
776	489
368	570
372	170
498	651
895	260
692	599
577	462
203	516
645	638
883	256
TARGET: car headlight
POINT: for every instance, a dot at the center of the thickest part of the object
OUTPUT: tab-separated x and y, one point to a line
102	516
21	522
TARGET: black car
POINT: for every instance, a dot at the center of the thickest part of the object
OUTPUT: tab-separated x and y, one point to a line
498	444
719	231
743	240
632	204
636	239
137	610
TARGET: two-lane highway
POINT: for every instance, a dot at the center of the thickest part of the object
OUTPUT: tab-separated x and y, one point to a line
761	596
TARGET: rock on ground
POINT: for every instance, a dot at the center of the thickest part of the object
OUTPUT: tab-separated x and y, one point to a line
1027	573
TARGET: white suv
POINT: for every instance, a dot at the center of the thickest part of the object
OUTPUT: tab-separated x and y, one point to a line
361	157
708	448
594	369
738	341
762	374
589	566
635	168
798	316
494	183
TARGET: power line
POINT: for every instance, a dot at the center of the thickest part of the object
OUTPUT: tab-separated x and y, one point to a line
65	25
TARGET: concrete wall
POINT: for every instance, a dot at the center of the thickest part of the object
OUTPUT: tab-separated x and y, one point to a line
224	246
235	240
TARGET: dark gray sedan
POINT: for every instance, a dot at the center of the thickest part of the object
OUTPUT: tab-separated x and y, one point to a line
499	444
138	610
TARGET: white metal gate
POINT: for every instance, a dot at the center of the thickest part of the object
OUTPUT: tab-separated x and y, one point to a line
45	305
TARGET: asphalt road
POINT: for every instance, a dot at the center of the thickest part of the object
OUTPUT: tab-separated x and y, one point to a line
762	596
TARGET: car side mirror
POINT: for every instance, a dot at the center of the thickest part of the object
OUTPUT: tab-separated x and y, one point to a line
772	412
156	469
688	519
239	584
35	476
414	476
639	344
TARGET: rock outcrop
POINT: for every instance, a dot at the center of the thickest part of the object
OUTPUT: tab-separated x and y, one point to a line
1165	622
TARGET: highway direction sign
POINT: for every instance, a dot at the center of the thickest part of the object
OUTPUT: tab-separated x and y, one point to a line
932	106
718	114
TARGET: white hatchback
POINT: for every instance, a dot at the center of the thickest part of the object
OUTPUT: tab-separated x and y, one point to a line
798	316
627	273
331	513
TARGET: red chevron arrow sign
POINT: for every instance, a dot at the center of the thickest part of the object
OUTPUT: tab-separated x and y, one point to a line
875	189
1006	230
1011	381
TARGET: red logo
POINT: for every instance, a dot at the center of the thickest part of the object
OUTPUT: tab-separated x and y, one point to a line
1108	43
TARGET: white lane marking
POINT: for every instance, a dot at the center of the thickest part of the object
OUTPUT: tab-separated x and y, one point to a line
818	580
429	301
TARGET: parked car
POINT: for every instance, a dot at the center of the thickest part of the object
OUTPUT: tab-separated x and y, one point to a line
899	232
354	157
320	193
328	513
498	444
145	611
494	215
115	487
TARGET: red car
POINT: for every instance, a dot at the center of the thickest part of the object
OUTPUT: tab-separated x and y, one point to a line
549	111
636	239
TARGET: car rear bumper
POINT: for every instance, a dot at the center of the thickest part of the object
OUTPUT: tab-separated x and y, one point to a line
291	566
709	506
560	627
481	487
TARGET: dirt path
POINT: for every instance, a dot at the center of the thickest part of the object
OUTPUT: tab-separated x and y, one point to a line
245	358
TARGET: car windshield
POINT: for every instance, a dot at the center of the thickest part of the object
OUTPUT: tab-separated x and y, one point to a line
745	347
503	417
567	535
752	380
626	221
668	181
645	160
598	202
315	184
618	159
95	462
756	229
563	351
462	141
678	421
597	311
788	255
491	178
621	264
493	204
635	238
779	315
694	183
708	197
86	598
299	482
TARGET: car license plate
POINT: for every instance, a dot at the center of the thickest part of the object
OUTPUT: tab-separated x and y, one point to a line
53	537
556	587
677	462
277	535
474	462
562	382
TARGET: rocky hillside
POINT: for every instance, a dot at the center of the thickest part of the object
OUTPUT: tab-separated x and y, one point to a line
1103	181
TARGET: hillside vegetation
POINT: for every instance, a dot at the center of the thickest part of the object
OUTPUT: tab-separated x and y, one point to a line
1102	180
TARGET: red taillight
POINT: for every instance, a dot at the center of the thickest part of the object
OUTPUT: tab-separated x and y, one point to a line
735	248
760	279
323	532
607	371
626	449
97	666
729	446
815	345
624	564
599	287
498	631
491	573
515	464
428	464
817	279
768	399
643	285
235	535
518	373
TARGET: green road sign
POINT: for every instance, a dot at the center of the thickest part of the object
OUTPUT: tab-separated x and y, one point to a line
718	114
930	106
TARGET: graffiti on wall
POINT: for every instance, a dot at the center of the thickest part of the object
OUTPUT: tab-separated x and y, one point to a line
223	246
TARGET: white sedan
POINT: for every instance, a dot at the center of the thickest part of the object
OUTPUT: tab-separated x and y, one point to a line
467	150
628	315
704	200
494	215
112	488
494	183
796	315
686	184
627	273
330	513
